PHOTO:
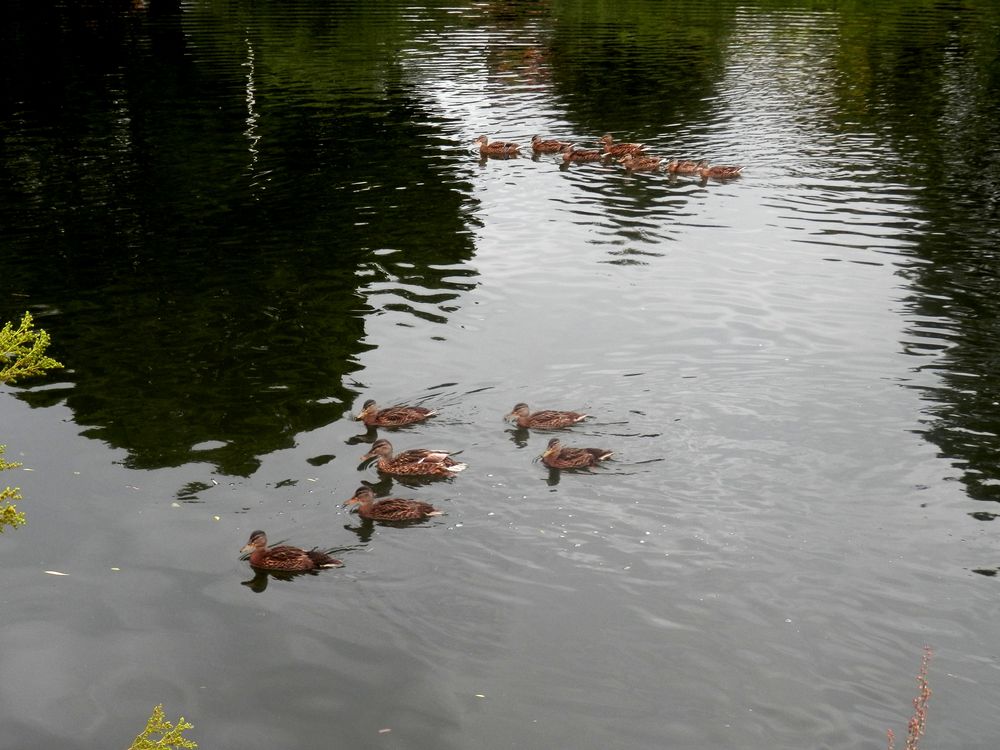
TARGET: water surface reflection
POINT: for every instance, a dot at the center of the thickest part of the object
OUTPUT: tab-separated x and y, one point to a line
253	218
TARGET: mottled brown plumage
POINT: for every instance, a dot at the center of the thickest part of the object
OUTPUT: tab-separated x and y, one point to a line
640	163
496	148
546	419
611	148
556	456
283	557
548	147
581	154
719	171
414	461
392	416
390	508
682	166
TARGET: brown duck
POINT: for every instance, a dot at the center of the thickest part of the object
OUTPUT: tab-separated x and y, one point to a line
719	171
414	461
620	149
635	163
581	154
283	557
392	416
683	166
546	419
496	148
558	457
548	147
390	508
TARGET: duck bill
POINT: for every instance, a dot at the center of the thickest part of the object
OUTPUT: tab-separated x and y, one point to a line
247	549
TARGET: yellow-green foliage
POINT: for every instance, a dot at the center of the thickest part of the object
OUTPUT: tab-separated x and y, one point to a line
160	734
22	351
22	354
9	515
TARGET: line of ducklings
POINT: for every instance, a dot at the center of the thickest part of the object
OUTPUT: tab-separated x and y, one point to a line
415	461
632	156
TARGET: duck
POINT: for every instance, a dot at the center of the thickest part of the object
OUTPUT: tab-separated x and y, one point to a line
581	154
497	148
546	419
414	461
548	147
392	416
390	508
719	171
683	166
635	163
558	457
285	558
620	149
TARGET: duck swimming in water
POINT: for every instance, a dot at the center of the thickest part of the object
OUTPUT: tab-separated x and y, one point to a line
392	416
390	508
285	558
546	419
556	456
496	148
414	461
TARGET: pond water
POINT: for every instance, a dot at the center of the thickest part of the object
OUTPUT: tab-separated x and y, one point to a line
239	221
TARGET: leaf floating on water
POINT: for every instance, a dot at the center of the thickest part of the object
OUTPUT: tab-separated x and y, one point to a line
56	573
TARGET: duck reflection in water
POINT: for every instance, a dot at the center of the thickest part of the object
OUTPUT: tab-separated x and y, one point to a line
260	579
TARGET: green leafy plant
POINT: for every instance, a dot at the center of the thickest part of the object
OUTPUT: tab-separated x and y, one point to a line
22	354
22	351
160	734
9	515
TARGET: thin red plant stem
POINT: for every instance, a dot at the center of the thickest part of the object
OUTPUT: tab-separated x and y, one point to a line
918	722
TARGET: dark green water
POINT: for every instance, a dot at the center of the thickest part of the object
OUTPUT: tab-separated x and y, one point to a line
238	221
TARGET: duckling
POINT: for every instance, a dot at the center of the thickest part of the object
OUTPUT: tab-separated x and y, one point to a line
620	149
682	166
558	457
581	154
284	557
548	147
719	171
640	163
392	416
414	461
496	148
390	508
546	419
